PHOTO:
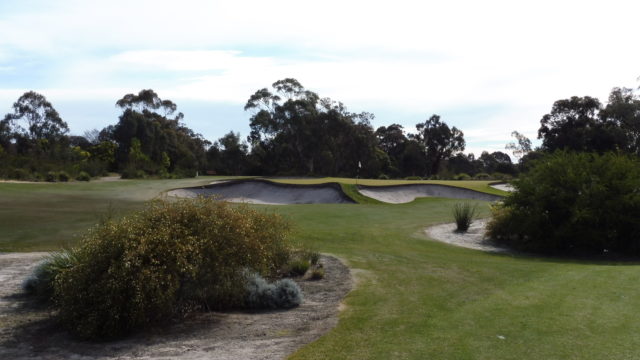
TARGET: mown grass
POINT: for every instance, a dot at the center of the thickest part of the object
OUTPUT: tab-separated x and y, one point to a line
48	216
420	299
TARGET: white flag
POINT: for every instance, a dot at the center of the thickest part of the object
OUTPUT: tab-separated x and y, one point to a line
359	165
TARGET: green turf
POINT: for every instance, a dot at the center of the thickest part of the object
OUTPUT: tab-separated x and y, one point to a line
47	216
415	298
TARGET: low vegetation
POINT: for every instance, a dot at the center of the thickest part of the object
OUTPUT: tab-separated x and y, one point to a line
168	259
463	214
282	294
41	282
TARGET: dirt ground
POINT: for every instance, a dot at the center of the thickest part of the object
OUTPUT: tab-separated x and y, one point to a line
29	332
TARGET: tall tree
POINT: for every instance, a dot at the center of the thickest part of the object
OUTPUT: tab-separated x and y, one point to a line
521	148
574	124
294	131
623	109
40	117
161	143
439	141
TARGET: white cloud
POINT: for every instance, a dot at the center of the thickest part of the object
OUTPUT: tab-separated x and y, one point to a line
418	57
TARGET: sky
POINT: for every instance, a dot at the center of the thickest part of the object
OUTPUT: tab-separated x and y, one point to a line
486	67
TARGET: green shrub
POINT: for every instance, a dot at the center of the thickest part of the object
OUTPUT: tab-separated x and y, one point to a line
283	294
83	176
51	176
63	176
317	274
482	176
462	176
19	174
501	176
383	177
133	173
299	267
573	204
41	281
314	257
413	178
167	259
463	213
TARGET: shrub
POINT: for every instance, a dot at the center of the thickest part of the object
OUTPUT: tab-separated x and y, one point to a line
573	204
133	173
463	213
383	177
83	176
165	260
19	174
314	257
51	176
501	176
283	294
482	176
462	176
63	176
299	267
41	281
317	274
413	178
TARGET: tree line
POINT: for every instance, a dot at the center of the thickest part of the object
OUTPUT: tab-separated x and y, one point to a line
294	131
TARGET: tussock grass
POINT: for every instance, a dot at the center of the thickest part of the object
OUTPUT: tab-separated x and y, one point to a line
463	214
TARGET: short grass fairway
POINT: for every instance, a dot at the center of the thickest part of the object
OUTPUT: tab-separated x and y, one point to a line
48	216
415	298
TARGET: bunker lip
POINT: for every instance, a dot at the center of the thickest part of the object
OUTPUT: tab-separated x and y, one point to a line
259	191
400	194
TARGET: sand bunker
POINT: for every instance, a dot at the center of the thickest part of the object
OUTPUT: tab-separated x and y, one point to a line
399	194
266	192
503	187
474	238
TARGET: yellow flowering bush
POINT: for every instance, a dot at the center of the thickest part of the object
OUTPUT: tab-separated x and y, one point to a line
169	258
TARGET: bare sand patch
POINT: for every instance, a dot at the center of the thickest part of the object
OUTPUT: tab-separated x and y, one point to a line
503	187
399	194
474	238
28	331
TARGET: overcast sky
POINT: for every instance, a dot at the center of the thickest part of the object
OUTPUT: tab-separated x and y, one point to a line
486	67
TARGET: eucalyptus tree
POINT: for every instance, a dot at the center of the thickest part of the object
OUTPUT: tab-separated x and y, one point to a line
439	141
295	131
34	118
162	143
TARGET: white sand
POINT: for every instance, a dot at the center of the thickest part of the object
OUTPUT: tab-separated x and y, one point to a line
503	187
262	192
474	238
406	193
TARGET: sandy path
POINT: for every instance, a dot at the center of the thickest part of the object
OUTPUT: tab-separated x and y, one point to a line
474	238
27	332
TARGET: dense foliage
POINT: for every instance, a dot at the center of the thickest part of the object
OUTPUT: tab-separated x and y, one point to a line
169	258
573	203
